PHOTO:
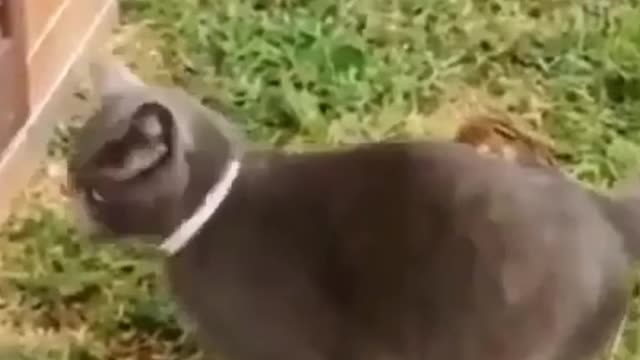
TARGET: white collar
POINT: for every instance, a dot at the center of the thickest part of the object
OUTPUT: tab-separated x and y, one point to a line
212	201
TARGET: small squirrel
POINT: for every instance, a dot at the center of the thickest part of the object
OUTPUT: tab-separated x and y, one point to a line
497	137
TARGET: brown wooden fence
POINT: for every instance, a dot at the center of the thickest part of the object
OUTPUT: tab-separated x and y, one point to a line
41	41
13	76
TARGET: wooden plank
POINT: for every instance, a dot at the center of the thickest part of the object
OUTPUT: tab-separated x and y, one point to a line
20	160
2	20
8	102
13	91
59	40
40	15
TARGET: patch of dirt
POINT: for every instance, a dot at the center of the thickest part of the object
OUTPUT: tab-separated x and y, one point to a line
138	46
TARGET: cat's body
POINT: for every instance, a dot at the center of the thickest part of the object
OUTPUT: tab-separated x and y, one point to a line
424	251
371	253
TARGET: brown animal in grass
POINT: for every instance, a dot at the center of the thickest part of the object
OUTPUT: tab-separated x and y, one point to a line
498	137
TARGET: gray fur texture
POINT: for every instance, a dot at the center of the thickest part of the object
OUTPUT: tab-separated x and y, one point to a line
386	251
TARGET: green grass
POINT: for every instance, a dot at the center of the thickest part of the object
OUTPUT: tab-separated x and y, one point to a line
320	72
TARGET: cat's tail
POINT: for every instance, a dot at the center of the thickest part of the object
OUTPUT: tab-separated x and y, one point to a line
623	210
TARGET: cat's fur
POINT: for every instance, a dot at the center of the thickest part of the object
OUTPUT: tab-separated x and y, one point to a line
380	251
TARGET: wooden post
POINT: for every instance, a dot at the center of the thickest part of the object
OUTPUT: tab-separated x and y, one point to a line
13	70
42	46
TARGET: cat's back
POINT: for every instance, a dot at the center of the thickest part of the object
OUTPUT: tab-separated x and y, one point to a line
486	256
408	251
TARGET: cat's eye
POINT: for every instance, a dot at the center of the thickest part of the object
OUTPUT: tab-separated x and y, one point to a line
95	196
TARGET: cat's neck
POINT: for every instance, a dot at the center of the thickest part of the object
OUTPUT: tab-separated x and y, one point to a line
211	165
210	203
206	162
215	168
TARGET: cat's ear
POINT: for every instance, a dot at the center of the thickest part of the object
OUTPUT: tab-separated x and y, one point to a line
147	141
112	76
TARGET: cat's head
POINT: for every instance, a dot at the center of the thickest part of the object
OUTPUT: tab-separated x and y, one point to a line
131	169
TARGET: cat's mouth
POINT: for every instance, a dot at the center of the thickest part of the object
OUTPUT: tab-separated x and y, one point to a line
85	221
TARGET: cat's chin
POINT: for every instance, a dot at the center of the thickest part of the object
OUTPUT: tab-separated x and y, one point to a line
98	233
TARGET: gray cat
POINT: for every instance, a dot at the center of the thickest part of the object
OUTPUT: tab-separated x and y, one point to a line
381	251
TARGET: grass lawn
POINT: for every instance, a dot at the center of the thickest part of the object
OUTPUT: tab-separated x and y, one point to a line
321	73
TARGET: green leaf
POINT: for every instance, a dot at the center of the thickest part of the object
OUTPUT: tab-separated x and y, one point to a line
347	57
